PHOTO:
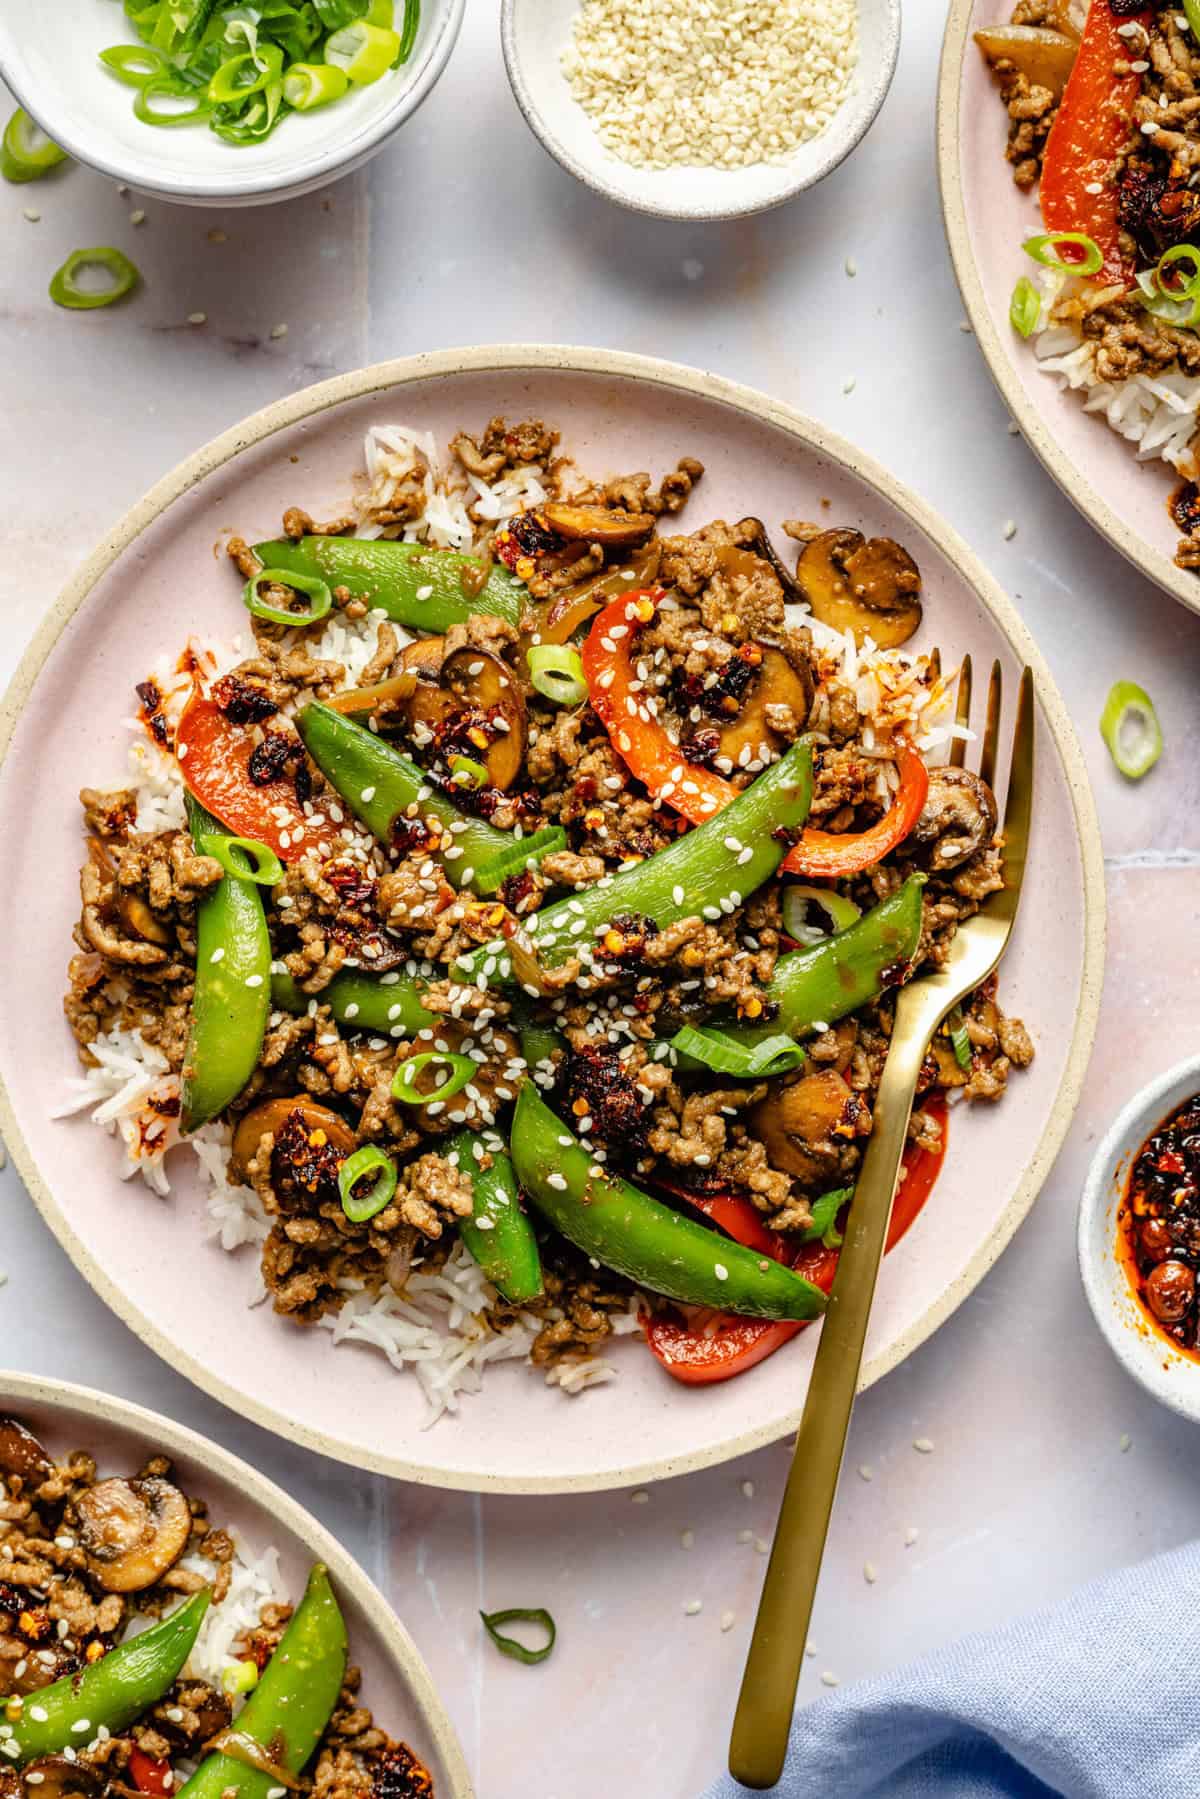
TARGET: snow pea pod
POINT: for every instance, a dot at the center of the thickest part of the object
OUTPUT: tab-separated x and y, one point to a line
232	997
498	1233
111	1692
392	796
637	1236
389	1005
427	590
285	1716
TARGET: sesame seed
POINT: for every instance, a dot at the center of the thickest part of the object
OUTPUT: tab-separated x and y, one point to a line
923	1445
254	980
849	384
910	1536
720	1270
1126	1442
368	794
558	1182
137	216
693	1606
747	1489
197	318
1010	529
31	213
828	1679
870	1573
218	955
762	1546
38	1713
641	1497
278	331
865	1471
728	1619
687	1539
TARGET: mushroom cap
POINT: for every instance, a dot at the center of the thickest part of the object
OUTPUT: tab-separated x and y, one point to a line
959	818
132	1531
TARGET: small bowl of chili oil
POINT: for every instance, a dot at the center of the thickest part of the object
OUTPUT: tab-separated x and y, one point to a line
1139	1238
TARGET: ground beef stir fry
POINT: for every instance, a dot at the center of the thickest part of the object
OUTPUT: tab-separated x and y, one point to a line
1159	1222
737	672
88	1558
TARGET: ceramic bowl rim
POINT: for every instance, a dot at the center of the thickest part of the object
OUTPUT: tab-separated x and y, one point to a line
1140	1353
308	172
815	437
1179	583
18	1389
868	103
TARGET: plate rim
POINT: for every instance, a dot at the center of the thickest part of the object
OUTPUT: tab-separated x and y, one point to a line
507	358
19	1389
1148	561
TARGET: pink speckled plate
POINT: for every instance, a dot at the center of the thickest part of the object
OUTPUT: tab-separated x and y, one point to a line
987	218
158	577
122	1437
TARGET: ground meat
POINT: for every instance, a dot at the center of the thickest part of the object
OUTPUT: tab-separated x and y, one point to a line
297	524
503	446
431	1194
633	493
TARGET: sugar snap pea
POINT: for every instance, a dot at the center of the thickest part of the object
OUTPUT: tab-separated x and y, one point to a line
428	590
498	1233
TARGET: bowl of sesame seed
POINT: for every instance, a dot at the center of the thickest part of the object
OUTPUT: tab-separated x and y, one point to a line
700	109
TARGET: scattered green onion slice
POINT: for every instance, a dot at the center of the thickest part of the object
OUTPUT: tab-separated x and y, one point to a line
1174	289
1044	249
556	670
1163	306
64	283
404	1086
248	859
135	64
26	153
237	1678
364	52
526	852
1191	12
465	773
1025	307
381	12
720	1054
316	589
840	911
369	1160
824	1217
245	74
1129	726
309	84
148	108
960	1041
520	1615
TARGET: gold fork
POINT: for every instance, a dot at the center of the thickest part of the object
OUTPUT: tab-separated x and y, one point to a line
768	1695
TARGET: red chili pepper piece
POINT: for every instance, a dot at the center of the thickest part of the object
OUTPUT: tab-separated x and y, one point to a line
214	758
833	853
150	1776
1093	123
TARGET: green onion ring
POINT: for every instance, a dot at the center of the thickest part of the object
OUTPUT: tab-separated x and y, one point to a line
721	1054
316	589
1025	307
167	88
66	291
556	670
462	1069
226	89
519	1614
370	1159
824	1217
135	64
248	860
26	153
364	52
1188	289
841	912
1042	248
465	773
309	84
1129	726
959	1040
1180	312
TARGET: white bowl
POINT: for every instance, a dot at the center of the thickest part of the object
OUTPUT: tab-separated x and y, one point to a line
534	33
57	77
1166	1373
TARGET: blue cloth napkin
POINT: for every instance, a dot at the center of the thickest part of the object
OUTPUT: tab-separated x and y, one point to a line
1095	1698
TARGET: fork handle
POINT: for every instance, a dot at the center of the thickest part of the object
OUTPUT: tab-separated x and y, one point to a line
768	1694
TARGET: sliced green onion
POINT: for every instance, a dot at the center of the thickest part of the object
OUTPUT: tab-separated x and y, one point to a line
777	1054
1171	311
404	1087
1025	307
824	1217
148	108
309	84
556	670
180	24
26	153
252	122
408	31
960	1041
237	1678
122	274
1129	726
369	1160
526	852
248	859
520	1615
135	64
1044	249
245	74
381	12
840	911
1189	287
465	773
1191	12
364	51
316	589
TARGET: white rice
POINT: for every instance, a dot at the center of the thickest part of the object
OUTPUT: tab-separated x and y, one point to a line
253	1584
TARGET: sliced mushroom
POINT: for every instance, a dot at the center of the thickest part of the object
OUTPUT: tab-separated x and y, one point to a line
958	818
777	683
759	544
54	1777
132	910
804	1126
21	1453
273	1114
474	709
609	525
1044	57
421	657
871	588
557	619
132	1531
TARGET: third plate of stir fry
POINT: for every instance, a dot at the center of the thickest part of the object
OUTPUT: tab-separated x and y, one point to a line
508	918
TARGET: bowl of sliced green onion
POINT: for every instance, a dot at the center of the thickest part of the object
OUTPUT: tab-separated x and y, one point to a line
201	101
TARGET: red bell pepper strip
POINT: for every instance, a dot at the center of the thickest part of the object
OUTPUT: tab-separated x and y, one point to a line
1094	120
733	1213
214	758
149	1775
713	1346
834	853
628	713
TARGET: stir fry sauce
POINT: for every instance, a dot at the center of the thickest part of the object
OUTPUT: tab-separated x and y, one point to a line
1158	1226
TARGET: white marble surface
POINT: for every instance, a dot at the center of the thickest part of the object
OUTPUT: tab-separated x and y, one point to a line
464	232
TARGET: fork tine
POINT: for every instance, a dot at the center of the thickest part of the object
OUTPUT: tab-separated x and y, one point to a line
935	664
1019	804
991	730
962	714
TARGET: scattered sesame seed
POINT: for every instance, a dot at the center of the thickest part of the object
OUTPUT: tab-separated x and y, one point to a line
1010	529
745	1536
197	318
910	1536
686	1539
217	236
865	1471
31	213
218	954
851	266
923	1445
728	1620
965	325
38	1713
870	1573
810	1649
849	384
641	1497
278	331
693	1606
828	1679
762	1546
720	1270
138	216
1126	1442
254	980
747	1489
368	794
